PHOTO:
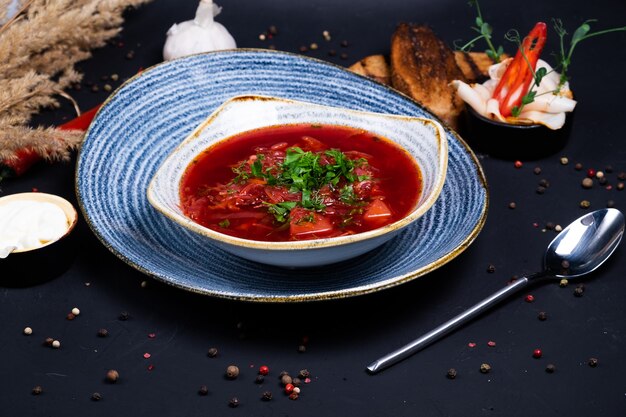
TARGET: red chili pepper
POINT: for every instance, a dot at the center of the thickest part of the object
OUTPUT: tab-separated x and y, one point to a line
27	157
519	74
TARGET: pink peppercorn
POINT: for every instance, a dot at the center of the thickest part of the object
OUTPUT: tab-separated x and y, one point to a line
518	164
264	370
289	388
529	298
591	172
537	353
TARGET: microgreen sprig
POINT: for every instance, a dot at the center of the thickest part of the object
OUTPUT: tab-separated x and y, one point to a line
580	34
485	32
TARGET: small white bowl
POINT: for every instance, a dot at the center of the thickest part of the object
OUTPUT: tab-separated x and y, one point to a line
424	139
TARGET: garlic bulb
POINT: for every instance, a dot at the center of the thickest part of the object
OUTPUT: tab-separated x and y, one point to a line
202	34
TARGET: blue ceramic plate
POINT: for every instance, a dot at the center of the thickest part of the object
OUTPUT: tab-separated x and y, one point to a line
148	116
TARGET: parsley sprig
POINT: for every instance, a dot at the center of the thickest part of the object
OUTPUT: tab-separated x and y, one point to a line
304	172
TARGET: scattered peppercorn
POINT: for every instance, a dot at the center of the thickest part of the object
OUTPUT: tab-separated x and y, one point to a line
610	203
115	77
599	175
234	402
95	88
564	160
485	368
620	186
587	183
204	390
326	35
593	362
296	390
212	352
550	368
296	382
621	176
542	316
124	316
304	373
343	55
563	282
130	54
451	373
344	43
565	264
286	380
578	292
549	226
289	388
103	333
262	36
558	228
332	52
48	341
540	190
491	268
578	166
37	390
264	370
28	331
491	343
591	172
303	48
294	396
107	87
56	344
537	170
537	353
96	396
602	181
75	311
259	379
112	375
70	316
313	46
267	396
585	204
529	298
232	372
272	30
544	183
518	164
512	205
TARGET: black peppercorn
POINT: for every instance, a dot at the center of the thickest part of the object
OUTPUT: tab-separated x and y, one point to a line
451	373
540	190
96	396
491	268
232	372
549	226
578	166
542	316
550	368
267	396
234	402
286	379
48	341
610	204
204	390
112	375
593	362
212	352
103	333
37	390
544	183
304	373
124	316
272	30
578	291
537	170
485	368
344	43
512	205
301	349
296	382
259	379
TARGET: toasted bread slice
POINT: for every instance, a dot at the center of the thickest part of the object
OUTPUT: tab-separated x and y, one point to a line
373	66
422	66
474	65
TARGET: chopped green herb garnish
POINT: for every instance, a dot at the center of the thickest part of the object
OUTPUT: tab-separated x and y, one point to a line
224	223
281	210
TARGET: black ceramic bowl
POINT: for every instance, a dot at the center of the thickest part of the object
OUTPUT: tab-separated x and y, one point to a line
510	141
35	265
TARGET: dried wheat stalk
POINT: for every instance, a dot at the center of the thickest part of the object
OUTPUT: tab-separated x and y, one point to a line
38	50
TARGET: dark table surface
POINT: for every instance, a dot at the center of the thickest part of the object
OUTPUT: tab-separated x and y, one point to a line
177	327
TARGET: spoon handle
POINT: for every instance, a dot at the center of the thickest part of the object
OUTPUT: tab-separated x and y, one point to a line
418	344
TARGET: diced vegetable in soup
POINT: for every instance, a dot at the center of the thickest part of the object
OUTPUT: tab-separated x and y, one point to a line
297	182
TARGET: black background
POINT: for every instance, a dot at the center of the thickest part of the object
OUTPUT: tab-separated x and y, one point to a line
344	335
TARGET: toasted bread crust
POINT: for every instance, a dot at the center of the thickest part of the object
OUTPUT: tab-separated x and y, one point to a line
474	65
422	66
373	66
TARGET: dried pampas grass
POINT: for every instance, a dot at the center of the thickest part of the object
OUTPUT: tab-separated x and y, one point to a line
40	42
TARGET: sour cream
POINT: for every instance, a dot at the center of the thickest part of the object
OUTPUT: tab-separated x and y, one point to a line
29	224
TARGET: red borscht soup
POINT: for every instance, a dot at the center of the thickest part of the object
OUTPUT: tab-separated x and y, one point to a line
297	182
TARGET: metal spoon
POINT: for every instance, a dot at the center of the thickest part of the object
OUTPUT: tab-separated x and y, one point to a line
578	250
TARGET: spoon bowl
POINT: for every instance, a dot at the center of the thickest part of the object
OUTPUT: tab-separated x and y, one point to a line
579	249
585	244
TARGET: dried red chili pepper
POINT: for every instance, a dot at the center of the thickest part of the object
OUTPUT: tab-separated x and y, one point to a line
520	73
27	157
